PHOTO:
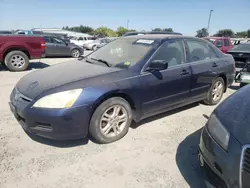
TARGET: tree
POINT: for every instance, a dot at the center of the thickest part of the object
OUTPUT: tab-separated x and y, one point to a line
121	31
224	33
105	32
248	33
202	33
241	34
168	30
80	29
165	29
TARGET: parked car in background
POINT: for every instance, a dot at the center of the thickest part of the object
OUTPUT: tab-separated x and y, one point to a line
241	54
96	44
80	41
224	149
56	46
223	43
149	32
5	32
122	81
16	51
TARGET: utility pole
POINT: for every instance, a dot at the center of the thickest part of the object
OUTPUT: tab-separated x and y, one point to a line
127	23
209	19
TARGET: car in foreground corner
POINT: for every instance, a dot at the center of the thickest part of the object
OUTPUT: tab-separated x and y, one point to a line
127	80
17	50
224	149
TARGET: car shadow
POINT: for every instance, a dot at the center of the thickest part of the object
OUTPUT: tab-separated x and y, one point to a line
37	65
32	65
187	160
59	143
234	87
162	115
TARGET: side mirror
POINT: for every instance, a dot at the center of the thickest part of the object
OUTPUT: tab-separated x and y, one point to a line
157	65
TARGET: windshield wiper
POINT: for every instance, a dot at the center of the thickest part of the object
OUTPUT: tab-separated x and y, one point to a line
102	61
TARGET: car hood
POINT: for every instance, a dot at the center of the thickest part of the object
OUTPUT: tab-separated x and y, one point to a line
54	76
233	113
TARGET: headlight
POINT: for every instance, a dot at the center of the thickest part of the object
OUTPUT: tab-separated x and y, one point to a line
63	99
218	131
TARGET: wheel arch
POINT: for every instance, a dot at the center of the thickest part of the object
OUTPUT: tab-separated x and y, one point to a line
112	94
223	76
21	49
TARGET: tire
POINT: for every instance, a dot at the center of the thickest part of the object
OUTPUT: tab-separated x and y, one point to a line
98	125
75	53
16	61
210	100
94	48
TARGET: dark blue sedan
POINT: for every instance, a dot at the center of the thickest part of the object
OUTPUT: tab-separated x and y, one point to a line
127	80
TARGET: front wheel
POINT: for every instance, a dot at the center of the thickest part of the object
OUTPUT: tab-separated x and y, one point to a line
111	120
16	61
75	53
216	91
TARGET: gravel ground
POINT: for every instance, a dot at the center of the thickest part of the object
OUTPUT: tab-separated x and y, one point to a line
158	152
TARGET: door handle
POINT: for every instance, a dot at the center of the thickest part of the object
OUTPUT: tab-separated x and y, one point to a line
215	65
184	72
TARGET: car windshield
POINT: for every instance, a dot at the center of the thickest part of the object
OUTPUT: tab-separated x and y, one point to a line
211	40
123	51
242	47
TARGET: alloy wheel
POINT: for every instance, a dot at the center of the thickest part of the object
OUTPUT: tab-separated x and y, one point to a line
17	61
217	91
113	121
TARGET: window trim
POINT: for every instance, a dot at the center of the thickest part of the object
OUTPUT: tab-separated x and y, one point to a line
143	69
189	54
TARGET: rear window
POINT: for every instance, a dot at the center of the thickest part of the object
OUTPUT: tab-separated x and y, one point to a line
242	47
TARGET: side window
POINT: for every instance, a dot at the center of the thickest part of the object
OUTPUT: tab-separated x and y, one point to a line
226	42
200	51
47	39
58	41
80	38
219	43
172	52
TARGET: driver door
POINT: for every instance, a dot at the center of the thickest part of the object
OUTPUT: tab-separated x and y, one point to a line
166	88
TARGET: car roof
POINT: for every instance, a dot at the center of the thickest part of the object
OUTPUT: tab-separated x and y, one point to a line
157	36
216	37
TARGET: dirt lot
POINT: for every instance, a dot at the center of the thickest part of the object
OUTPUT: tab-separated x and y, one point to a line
159	152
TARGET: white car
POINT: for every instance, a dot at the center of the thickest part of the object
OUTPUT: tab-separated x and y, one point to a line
80	41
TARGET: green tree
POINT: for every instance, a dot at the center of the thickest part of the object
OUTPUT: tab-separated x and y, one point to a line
80	29
121	31
165	29
241	34
105	32
202	33
225	33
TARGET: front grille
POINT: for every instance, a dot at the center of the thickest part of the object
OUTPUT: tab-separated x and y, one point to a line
245	167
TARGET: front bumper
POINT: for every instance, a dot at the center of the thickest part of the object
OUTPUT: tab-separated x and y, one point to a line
58	124
221	168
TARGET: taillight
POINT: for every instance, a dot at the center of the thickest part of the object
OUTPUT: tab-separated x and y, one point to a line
43	45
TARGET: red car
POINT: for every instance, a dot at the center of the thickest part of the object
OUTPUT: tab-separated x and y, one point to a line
16	51
223	43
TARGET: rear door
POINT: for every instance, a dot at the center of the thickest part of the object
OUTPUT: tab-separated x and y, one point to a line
61	48
204	65
227	45
167	88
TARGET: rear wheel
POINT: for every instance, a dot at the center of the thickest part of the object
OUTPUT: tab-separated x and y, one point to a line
110	121
16	61
75	53
216	91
